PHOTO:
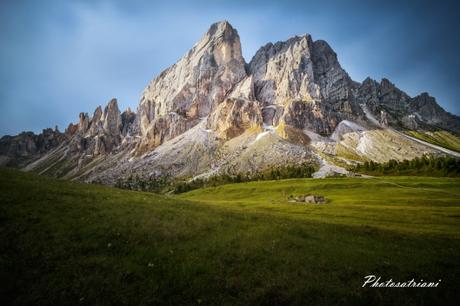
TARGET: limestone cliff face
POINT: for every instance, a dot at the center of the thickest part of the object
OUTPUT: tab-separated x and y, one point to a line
301	81
192	87
233	117
96	125
315	116
101	133
284	71
112	119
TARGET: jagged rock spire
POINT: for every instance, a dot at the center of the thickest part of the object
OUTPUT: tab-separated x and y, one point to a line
112	118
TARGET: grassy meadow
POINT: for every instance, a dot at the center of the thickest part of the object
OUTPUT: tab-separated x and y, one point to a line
239	244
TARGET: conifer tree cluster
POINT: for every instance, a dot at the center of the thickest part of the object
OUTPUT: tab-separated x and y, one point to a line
423	166
290	171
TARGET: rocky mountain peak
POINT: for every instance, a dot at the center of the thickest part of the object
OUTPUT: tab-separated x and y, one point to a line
97	114
283	71
222	41
292	75
383	95
83	123
429	111
369	82
191	88
112	118
323	51
113	103
222	29
426	106
387	84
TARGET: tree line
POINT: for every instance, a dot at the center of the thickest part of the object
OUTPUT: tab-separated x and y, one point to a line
164	184
422	166
152	184
304	170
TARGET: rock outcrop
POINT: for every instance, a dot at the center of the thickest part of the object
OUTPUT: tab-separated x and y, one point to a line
27	146
100	134
234	116
425	108
128	118
393	107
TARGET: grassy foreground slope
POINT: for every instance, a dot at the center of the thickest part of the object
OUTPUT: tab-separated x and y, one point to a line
70	243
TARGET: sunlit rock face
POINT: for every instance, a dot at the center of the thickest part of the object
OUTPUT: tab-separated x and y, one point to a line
298	82
96	126
192	87
284	71
112	119
233	117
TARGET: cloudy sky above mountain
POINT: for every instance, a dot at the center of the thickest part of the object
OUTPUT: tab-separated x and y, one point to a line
59	58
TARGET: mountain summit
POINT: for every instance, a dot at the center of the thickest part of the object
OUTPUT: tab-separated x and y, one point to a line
188	90
211	113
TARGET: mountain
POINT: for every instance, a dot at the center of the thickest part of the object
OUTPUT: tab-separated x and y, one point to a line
212	113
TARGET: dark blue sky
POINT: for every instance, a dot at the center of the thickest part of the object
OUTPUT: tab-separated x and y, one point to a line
58	58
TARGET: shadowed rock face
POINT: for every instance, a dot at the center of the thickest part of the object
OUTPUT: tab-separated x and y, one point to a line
383	95
395	108
27	146
28	143
312	115
425	109
128	118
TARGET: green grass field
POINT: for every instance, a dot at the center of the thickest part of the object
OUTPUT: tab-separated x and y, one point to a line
70	243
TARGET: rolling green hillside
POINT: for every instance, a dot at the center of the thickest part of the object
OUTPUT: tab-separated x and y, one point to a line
72	243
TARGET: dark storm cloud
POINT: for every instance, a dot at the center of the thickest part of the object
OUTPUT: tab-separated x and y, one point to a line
58	58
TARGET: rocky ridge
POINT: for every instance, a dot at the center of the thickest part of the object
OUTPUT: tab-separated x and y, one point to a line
211	113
